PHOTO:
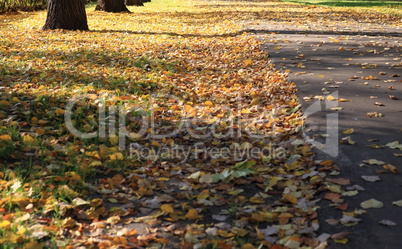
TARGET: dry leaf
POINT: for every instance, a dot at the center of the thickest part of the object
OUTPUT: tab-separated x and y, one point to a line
397	203
372	203
387	223
348	131
192	215
347	140
374	162
371	178
391	168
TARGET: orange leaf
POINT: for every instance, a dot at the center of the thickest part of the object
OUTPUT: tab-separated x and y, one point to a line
167	208
192	214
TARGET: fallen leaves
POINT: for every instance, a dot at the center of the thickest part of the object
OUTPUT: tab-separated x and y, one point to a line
387	223
207	72
347	140
374	162
186	61
192	214
348	131
371	203
397	203
374	115
371	178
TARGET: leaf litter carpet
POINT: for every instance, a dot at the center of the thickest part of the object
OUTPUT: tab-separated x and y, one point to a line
167	127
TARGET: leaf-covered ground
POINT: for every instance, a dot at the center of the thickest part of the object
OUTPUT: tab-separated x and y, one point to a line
163	127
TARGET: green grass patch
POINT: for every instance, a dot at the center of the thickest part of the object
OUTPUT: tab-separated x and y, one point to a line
385	7
350	3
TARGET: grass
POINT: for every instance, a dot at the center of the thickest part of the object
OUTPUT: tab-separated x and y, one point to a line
350	3
387	7
189	49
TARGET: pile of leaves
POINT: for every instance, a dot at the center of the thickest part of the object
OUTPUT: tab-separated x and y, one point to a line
164	127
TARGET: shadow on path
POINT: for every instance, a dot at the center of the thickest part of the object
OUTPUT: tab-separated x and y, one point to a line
364	68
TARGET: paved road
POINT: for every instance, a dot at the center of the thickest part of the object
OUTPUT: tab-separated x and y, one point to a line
363	65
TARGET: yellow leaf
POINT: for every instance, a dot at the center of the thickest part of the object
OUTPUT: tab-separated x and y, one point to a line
348	131
113	139
11	238
5	138
254	101
245	111
336	108
391	168
96	202
40	131
42	122
5	224
257	217
118	155
93	154
248	62
66	191
68	223
290	198
256	199
341	241
208	103
188	108
204	195
4	103
113	220
134	136
34	120
192	214
33	245
248	246
28	140
155	143
95	163
326	163
225	234
163	179
59	111
21	231
112	157
167	208
372	203
330	98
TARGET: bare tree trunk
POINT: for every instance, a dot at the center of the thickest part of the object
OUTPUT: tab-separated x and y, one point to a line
111	6
134	3
66	14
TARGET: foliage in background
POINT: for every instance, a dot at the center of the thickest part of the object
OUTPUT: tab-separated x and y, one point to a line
388	7
24	5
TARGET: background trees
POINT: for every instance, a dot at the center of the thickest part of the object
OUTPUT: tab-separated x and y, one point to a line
134	3
62	14
26	5
111	6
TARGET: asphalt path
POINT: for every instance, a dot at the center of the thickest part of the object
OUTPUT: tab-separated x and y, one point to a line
362	67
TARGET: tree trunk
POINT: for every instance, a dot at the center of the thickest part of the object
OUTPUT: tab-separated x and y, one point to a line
111	6
66	14
134	3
